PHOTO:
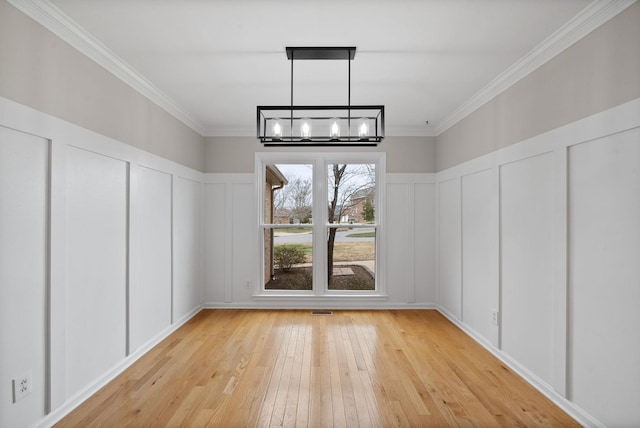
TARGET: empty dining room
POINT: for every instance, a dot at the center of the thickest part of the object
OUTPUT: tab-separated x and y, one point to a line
319	213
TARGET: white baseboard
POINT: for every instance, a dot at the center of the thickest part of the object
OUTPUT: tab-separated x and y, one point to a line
336	305
74	401
570	408
567	406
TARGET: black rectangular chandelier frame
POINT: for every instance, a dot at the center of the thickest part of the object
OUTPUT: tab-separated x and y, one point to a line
364	124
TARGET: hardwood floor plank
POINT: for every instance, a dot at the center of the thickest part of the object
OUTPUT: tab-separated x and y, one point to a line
281	341
302	410
293	387
321	413
341	393
237	368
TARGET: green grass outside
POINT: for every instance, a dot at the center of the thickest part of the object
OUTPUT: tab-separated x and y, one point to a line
343	251
362	235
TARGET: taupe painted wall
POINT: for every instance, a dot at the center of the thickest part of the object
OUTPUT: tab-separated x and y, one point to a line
598	72
41	71
237	154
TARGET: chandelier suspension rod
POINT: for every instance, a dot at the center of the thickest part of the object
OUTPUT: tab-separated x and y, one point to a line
349	95
291	115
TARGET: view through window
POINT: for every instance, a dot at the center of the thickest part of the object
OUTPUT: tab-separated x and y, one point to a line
345	226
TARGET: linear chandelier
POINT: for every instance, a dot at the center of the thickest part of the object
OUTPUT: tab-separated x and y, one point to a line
321	125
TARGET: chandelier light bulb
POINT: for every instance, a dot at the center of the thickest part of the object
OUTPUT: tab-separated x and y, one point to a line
363	130
305	129
277	129
335	130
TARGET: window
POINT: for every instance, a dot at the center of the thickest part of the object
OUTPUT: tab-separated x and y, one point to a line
320	223
288	235
351	250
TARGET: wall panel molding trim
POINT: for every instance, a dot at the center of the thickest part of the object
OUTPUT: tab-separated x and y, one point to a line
54	20
593	16
57	298
18	116
617	119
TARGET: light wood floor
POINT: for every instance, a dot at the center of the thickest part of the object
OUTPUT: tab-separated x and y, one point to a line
228	368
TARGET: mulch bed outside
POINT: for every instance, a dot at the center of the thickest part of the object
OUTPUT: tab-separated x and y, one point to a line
300	278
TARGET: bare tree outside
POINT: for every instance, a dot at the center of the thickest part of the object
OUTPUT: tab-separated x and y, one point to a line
345	181
295	198
300	199
281	198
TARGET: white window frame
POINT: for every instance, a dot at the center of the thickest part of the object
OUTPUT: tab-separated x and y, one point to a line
320	225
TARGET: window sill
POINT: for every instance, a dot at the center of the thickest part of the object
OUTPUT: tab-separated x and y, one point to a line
333	297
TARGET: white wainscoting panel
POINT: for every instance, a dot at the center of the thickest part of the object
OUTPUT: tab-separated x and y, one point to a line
526	214
97	265
229	250
480	252
410	239
23	272
243	228
187	292
449	251
86	259
424	233
150	255
567	220
399	252
214	246
604	272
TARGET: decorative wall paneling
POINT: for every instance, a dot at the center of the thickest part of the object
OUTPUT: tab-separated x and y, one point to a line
101	243
97	265
604	277
449	249
24	278
150	301
546	231
410	228
479	256
231	243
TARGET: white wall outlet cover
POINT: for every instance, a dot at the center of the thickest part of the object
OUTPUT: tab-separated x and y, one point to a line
22	386
495	317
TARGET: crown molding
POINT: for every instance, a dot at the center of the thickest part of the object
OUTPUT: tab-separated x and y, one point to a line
590	18
54	20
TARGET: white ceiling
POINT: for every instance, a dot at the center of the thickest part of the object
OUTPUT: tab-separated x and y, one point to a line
218	59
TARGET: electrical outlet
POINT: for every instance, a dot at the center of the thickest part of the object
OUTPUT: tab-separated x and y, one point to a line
248	284
495	317
22	386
